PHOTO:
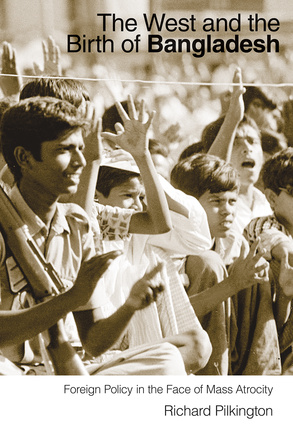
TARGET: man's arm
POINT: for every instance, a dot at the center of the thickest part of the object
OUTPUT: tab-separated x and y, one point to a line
19	326
133	137
93	151
98	335
223	144
278	249
244	273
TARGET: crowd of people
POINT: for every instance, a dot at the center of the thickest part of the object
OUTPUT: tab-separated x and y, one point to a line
119	256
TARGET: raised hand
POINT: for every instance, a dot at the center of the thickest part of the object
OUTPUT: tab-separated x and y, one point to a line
236	105
92	138
146	290
246	272
133	135
51	54
10	85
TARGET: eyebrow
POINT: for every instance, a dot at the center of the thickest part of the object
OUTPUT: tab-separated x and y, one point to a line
222	197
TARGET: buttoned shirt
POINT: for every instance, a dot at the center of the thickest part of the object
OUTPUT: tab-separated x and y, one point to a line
67	242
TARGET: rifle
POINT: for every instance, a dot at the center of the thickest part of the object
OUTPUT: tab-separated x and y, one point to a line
58	354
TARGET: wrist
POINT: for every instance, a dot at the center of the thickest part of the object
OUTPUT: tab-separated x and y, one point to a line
57	334
129	306
142	155
279	251
70	300
233	284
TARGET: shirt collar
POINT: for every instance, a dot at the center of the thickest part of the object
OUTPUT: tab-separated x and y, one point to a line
33	222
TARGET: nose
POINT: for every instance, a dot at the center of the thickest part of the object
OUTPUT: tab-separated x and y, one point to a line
137	204
78	158
226	209
246	147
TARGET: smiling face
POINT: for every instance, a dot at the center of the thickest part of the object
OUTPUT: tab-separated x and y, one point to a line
59	170
129	195
247	155
220	209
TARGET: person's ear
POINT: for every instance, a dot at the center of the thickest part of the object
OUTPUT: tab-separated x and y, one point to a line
22	156
271	197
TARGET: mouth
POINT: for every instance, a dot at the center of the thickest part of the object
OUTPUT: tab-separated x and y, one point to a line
74	177
226	224
248	163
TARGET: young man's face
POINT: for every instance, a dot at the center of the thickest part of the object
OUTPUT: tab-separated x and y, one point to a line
247	155
282	206
220	209
62	161
129	195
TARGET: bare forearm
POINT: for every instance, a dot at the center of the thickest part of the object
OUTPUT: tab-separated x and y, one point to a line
19	326
157	217
282	249
223	144
103	333
85	195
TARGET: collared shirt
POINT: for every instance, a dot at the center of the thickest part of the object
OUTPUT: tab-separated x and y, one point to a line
65	245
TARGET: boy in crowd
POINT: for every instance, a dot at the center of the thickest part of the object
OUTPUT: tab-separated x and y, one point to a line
74	92
122	190
215	184
43	145
275	233
239	141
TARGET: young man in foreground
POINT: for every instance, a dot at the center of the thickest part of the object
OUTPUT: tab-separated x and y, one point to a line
42	141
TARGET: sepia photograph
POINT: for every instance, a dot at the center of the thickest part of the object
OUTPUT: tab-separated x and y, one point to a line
146	214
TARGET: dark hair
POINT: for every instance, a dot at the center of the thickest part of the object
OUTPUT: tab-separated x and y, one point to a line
210	132
112	117
253	92
277	171
110	177
272	142
71	90
33	121
204	172
191	149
